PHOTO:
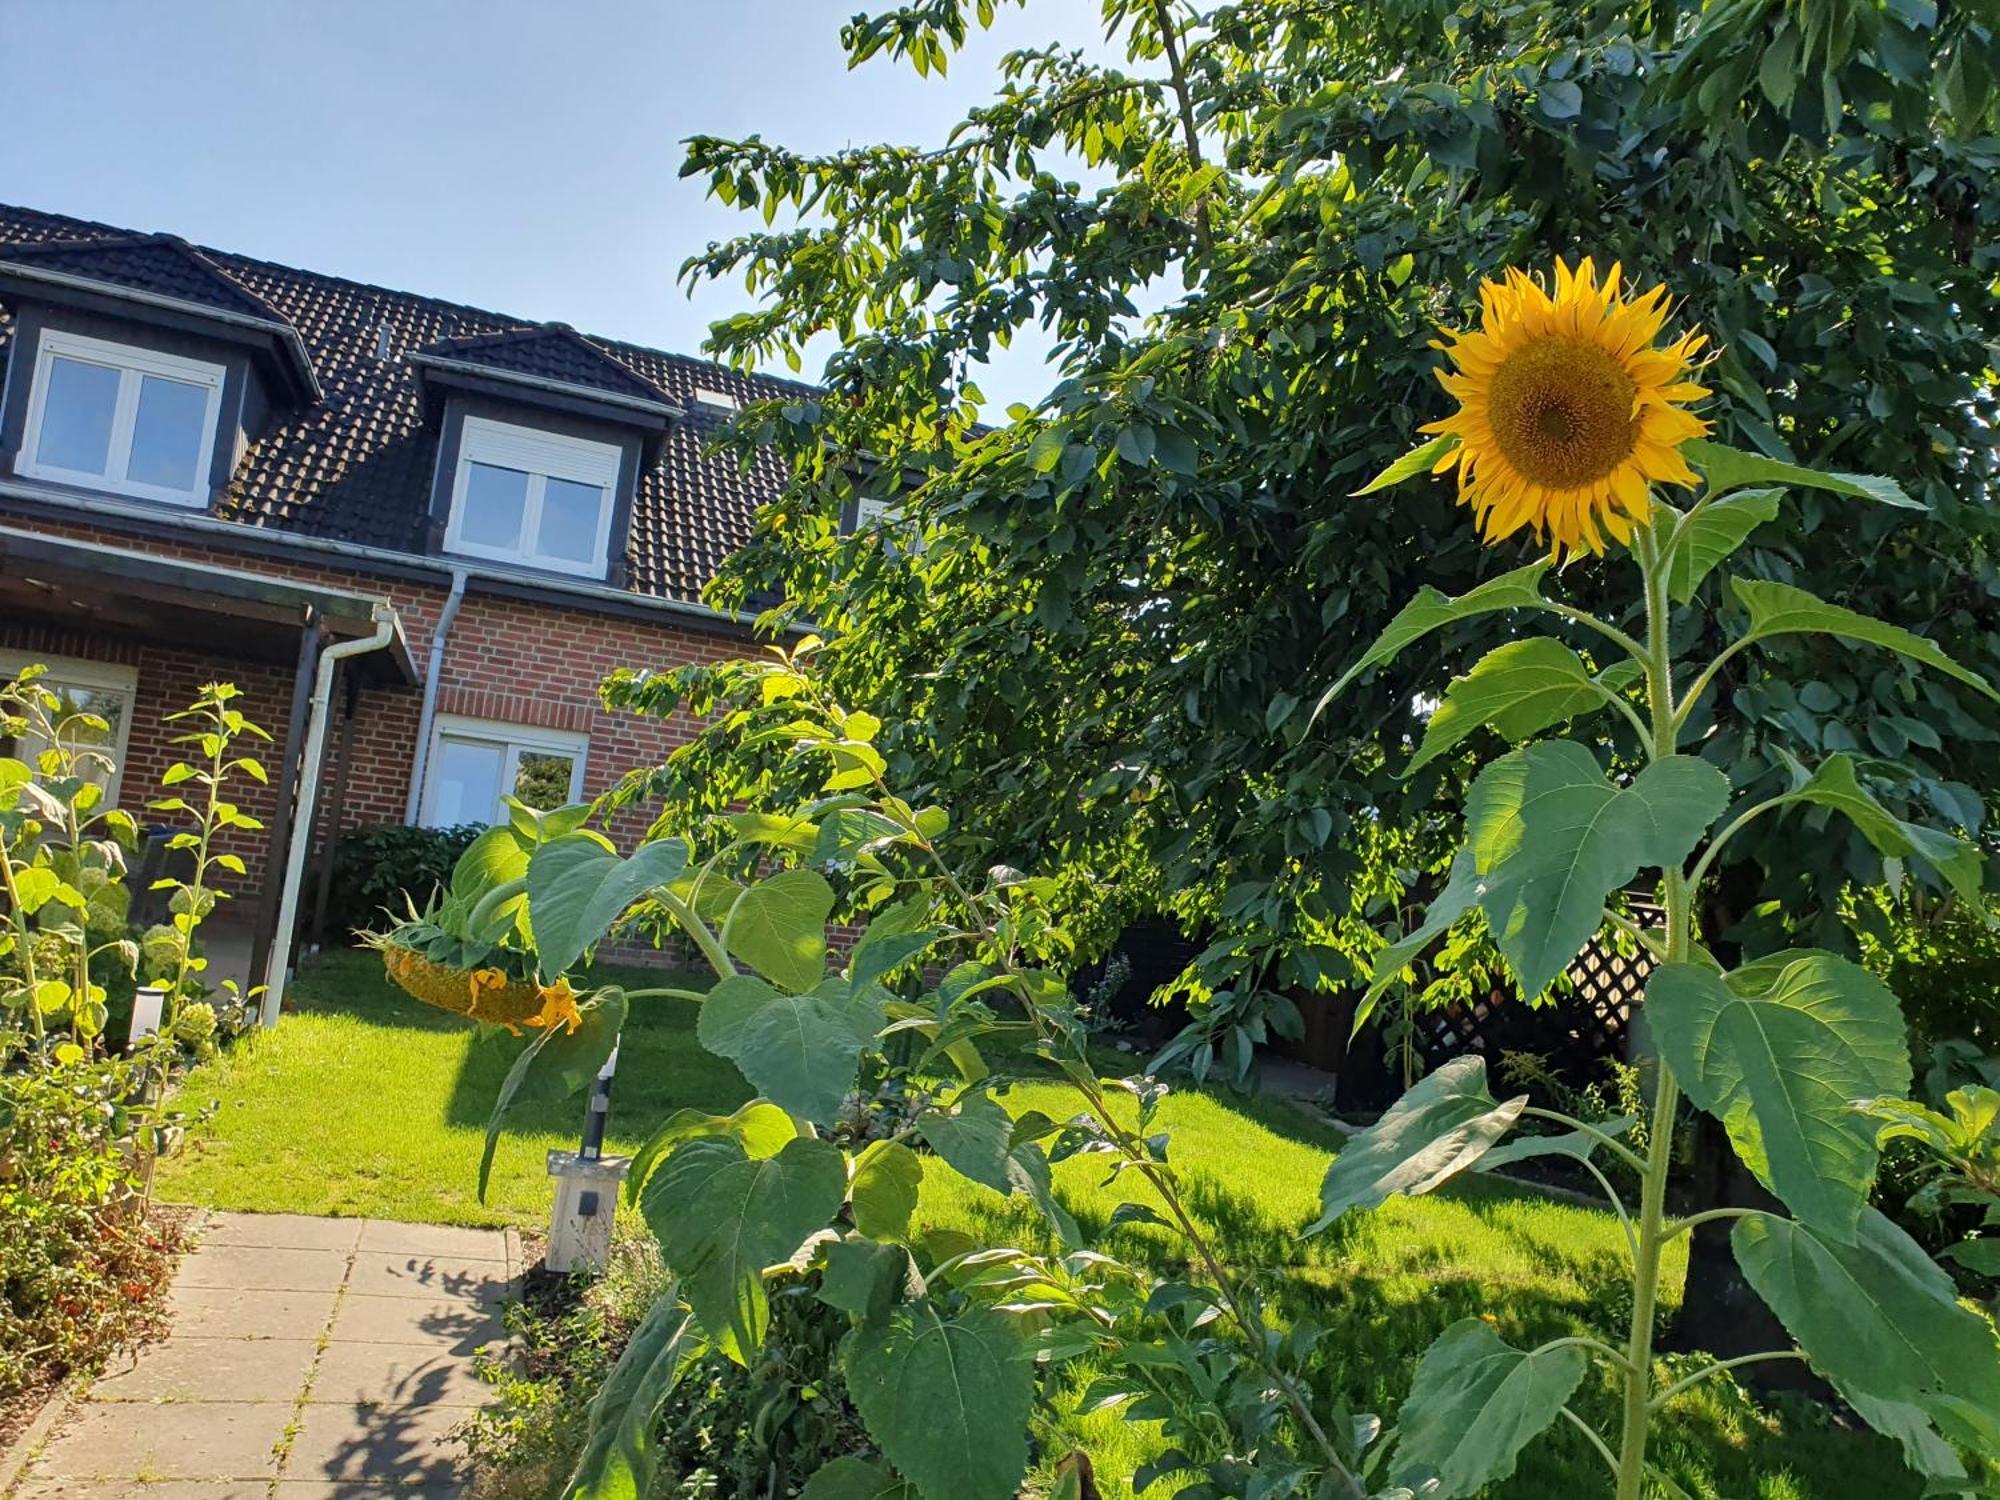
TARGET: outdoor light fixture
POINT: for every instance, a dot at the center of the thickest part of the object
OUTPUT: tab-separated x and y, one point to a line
587	1183
147	1007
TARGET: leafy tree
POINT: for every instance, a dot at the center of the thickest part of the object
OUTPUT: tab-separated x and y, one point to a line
1110	616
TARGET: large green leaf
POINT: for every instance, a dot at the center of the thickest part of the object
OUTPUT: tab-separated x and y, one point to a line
577	888
1431	610
722	1216
494	858
1835	785
621	1443
1779	609
851	1478
1475	1403
1728	468
760	1125
1882	1323
883	1193
800	1051
1781	1064
778	927
947	1397
975	1139
1519	689
1712	533
558	1064
1461	892
1553	838
1435	1131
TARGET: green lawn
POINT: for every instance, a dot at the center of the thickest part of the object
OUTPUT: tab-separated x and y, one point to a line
365	1102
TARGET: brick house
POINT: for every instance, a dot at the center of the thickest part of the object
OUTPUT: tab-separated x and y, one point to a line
215	468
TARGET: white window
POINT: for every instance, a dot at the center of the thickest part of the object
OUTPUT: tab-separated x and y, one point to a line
121	419
475	762
539	498
85	687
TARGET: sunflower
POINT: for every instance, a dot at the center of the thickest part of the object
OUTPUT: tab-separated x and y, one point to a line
1568	409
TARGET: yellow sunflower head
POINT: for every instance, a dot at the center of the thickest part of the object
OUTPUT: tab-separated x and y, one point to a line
1568	409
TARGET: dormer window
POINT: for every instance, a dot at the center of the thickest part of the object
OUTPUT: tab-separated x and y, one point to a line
540	499
112	417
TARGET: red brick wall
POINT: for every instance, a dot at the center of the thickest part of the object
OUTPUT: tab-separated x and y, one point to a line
530	663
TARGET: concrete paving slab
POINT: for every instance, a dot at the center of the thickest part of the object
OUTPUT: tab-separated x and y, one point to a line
226	1313
186	1368
405	1445
318	1489
126	1489
264	1268
286	1231
212	1440
386	1273
443	1241
354	1375
462	1327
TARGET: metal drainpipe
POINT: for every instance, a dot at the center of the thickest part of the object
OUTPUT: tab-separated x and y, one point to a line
420	762
306	803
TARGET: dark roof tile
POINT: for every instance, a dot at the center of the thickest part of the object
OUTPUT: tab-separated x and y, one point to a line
550	352
357	466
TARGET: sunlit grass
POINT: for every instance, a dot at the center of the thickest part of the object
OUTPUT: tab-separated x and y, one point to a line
365	1102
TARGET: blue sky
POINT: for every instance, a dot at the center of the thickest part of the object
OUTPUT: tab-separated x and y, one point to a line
517	156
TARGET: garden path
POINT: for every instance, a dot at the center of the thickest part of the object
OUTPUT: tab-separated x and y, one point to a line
309	1359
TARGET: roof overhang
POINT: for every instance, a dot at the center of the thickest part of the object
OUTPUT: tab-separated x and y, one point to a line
250	616
439	373
284	350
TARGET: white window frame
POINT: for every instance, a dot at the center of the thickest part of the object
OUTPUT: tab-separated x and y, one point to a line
542	456
131	365
99	676
513	740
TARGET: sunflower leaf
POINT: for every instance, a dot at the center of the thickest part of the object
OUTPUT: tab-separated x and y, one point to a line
1778	1055
1835	785
1730	468
1431	610
1552	838
1712	533
1419	460
1475	1403
1779	609
1519	689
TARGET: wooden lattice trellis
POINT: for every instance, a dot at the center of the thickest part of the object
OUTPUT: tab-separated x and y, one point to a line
1574	1035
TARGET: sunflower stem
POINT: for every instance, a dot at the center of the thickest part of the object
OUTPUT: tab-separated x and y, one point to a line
1651	1226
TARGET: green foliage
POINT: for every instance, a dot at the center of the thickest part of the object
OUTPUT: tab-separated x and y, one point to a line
1551	839
946	1392
557	1064
722	1216
620	1458
1430	1135
1779	1052
578	886
1518	690
1093	625
1475	1403
81	1260
383	867
1885	1326
83	1266
1786	1051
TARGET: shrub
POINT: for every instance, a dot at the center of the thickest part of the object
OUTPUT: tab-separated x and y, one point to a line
80	1264
727	1431
377	866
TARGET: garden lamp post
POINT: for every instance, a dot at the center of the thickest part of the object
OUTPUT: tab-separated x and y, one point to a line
587	1184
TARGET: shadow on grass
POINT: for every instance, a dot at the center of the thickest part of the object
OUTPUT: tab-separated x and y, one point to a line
661	1067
